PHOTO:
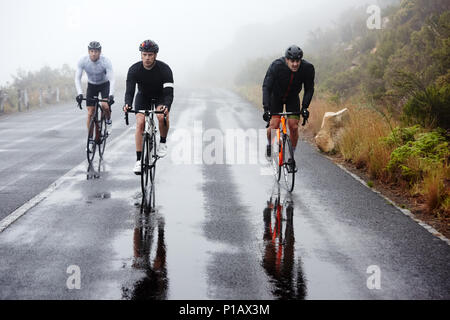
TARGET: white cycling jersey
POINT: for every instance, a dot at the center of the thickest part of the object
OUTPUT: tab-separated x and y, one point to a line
98	72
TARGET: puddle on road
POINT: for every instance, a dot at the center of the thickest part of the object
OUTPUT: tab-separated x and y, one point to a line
141	254
100	195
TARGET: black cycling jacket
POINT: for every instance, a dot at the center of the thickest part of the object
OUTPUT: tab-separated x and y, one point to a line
156	83
281	83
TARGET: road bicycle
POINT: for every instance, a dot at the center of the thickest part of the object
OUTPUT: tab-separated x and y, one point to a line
96	141
148	156
282	151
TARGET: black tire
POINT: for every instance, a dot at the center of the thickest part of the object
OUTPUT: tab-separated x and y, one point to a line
276	158
148	174
103	136
145	172
288	170
91	141
153	169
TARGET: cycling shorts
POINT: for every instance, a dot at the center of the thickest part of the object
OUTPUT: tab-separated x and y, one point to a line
142	102
292	105
93	90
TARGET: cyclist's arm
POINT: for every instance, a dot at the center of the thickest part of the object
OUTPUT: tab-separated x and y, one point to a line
167	87
268	86
309	88
131	87
110	77
78	75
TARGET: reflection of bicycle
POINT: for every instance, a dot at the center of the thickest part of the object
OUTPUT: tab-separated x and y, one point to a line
149	256
148	156
279	248
96	141
283	160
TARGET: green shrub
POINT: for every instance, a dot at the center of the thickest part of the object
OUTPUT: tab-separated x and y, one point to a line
430	107
400	136
418	156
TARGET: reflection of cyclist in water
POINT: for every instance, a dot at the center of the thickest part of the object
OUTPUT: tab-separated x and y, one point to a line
278	258
154	285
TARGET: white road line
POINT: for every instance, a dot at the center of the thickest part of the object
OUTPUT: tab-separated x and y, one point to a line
406	212
19	212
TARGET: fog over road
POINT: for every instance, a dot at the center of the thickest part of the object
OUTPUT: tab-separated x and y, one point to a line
220	231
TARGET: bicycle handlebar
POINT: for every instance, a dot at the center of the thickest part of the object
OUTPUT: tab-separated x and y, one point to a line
146	112
288	114
93	98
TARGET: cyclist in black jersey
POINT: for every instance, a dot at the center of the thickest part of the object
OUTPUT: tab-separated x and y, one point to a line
282	85
155	81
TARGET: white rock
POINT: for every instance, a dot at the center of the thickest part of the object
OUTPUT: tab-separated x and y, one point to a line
330	132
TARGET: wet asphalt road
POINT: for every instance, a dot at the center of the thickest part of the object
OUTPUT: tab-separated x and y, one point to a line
222	230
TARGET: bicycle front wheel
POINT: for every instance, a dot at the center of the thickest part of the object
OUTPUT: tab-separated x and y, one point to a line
103	136
91	144
153	169
288	166
147	174
276	154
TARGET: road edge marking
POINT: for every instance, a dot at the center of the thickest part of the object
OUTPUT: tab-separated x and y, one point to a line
406	212
19	212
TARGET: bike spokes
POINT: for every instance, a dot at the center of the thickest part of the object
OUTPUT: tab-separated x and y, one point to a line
148	175
103	134
276	147
289	166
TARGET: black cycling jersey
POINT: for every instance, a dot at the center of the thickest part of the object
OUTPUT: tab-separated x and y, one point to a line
156	83
281	85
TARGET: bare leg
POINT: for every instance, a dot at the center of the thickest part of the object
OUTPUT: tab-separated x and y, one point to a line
140	126
163	130
89	116
293	128
274	125
107	110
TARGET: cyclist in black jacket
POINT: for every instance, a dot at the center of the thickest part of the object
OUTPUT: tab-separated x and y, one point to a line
282	86
155	81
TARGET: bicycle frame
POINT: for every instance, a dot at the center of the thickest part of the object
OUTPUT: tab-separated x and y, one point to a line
96	134
148	156
283	144
284	132
281	134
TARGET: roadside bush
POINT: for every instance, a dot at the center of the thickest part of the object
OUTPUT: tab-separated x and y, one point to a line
400	136
430	107
411	160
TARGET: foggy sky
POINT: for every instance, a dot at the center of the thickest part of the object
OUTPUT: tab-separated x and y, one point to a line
45	32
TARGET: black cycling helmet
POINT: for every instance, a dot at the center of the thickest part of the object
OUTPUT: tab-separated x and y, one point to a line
149	46
94	45
294	53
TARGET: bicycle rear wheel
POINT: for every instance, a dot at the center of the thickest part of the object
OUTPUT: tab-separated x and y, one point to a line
288	167
91	144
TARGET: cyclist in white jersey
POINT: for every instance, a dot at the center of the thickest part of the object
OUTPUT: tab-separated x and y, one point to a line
100	80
